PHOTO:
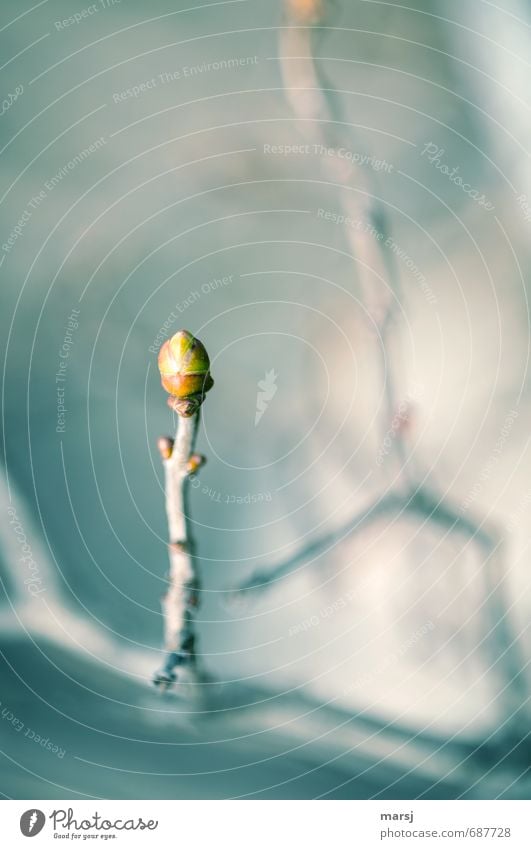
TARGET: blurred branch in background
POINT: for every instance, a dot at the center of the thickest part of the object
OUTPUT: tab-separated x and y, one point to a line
314	104
317	108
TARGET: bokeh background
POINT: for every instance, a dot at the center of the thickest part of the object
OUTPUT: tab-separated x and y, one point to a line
146	186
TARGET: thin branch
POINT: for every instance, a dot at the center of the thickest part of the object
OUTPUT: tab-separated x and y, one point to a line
312	100
181	596
420	503
184	367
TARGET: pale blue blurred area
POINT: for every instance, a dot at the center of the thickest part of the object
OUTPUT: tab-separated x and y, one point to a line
178	209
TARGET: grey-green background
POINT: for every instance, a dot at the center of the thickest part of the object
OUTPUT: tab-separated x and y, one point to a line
319	687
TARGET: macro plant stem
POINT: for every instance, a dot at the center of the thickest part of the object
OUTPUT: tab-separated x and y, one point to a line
184	368
181	596
182	576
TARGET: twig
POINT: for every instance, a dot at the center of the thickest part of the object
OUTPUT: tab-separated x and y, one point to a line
184	367
312	101
417	502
